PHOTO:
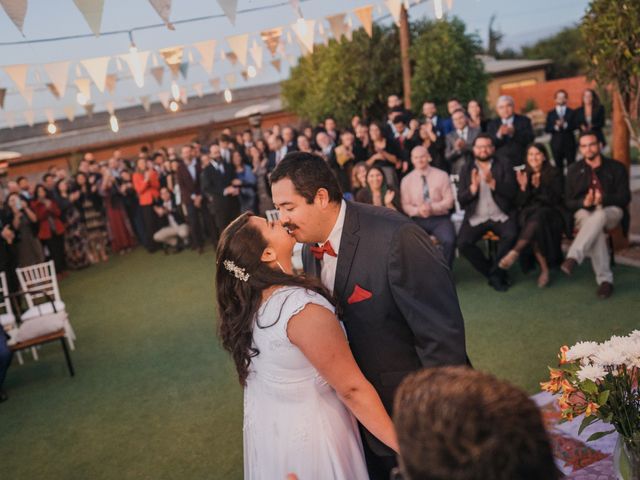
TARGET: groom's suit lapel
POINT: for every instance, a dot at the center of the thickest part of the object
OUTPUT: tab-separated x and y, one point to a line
348	246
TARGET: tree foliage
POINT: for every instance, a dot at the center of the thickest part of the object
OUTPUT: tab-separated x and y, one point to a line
611	46
445	64
564	49
346	78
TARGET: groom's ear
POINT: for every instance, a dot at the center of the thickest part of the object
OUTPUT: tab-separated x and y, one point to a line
268	255
322	197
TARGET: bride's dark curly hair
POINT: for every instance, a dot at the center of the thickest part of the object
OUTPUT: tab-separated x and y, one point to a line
238	300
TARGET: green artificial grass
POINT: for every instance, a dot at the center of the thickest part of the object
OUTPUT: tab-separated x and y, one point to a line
155	396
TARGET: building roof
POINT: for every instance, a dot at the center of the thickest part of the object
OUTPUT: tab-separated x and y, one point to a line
496	67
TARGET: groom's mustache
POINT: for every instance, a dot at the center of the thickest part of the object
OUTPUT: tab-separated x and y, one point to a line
290	226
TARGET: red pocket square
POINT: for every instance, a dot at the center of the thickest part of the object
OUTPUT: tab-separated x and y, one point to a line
359	295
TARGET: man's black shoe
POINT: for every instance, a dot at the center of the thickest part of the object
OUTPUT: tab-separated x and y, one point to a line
498	284
3	396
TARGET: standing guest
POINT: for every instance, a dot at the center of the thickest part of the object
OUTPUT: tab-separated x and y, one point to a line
453	104
459	141
248	180
358	178
427	137
132	205
24	223
597	192
512	133
49	182
147	185
188	179
404	141
303	144
226	145
561	124
289	139
487	193
325	145
355	121
75	232
476	115
541	219
261	144
25	188
377	192
590	117
91	207
382	151
120	229
343	159
277	150
362	142
50	226
263	191
427	198
173	231
430	115
331	130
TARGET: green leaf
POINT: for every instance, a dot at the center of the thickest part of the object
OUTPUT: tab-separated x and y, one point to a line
603	397
586	421
598	435
589	386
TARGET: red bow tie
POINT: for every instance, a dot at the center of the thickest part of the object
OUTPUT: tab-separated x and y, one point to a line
319	252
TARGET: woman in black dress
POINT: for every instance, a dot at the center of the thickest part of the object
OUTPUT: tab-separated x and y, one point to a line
541	218
591	115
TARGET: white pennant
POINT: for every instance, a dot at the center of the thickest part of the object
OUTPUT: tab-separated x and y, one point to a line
58	73
338	27
256	54
84	87
163	7
16	10
365	15
97	68
92	12
137	62
164	98
29	117
229	7
146	102
18	74
239	45
206	50
305	31
198	89
70	112
395	7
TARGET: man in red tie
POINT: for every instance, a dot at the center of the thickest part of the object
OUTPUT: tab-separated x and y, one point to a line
399	304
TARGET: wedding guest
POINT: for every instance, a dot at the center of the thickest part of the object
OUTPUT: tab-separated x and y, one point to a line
75	232
325	145
463	424
362	142
487	193
188	181
120	229
561	124
540	216
384	154
303	144
5	361
147	185
435	144
458	150
343	159
427	198
24	224
403	138
248	180
132	205
377	192
331	130
512	133
430	115
91	207
476	115
597	192
277	150
25	188
289	140
358	178
263	191
590	116
50	226
173	231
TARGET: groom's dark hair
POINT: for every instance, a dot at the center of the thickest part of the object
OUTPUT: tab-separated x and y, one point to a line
308	172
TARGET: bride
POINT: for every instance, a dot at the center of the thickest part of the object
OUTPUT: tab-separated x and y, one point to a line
301	383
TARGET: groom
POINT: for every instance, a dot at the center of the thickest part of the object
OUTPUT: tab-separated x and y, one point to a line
399	304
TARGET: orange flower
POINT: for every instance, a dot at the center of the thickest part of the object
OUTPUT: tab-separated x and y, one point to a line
563	354
592	409
552	386
566	386
556	374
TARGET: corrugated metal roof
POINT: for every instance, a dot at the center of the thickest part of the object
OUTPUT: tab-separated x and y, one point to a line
494	66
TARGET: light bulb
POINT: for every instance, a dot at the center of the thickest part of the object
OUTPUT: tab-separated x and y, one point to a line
251	71
51	128
175	91
113	121
173	106
82	99
227	95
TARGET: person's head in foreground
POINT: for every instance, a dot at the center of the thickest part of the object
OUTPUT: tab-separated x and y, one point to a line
455	423
253	255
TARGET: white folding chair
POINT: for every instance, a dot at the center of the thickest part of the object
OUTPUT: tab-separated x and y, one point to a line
7	317
40	286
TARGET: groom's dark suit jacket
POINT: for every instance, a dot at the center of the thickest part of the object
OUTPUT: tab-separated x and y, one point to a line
412	319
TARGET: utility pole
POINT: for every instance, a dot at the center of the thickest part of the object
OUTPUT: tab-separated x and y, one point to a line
404	56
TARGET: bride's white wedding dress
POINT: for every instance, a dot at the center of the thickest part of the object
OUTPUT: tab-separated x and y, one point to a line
294	421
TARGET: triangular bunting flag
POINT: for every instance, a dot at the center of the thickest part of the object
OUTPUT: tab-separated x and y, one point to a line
154	59
197	87
3	92
54	91
394	6
164	98
231	57
215	83
277	63
49	114
112	79
18	74
28	95
229	7
110	108
70	112
305	31
58	73
173	58
450	4
231	79
365	15
349	32
97	68
206	50
271	39
292	59
146	102
88	108
16	11
163	7
239	45
158	74
184	69
29	117
256	54
92	12
338	27
84	87
137	62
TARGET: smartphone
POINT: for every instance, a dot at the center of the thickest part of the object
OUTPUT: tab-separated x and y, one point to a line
519	168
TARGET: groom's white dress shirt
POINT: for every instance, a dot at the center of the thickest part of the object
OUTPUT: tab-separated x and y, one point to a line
329	263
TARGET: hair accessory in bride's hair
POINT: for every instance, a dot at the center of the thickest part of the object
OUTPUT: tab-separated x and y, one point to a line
236	271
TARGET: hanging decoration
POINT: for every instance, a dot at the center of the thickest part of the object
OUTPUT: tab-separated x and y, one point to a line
206	50
365	15
163	7
3	92
173	58
16	11
304	30
97	69
229	7
70	112
271	39
158	74
239	45
92	12
395	7
58	73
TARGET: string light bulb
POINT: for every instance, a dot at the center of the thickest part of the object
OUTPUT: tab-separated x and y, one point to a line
51	128
82	99
251	71
228	97
113	122
173	106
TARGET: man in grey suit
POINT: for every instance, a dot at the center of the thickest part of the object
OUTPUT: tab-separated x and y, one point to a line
394	288
460	141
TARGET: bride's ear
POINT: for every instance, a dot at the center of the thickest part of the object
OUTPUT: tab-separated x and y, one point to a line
268	255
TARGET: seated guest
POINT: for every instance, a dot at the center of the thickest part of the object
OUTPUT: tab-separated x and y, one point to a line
173	229
50	226
303	144
377	192
383	153
487	192
459	423
427	197
358	178
590	117
403	138
476	115
541	219
343	159
245	174
561	124
597	191
435	144
512	133
430	115
459	141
